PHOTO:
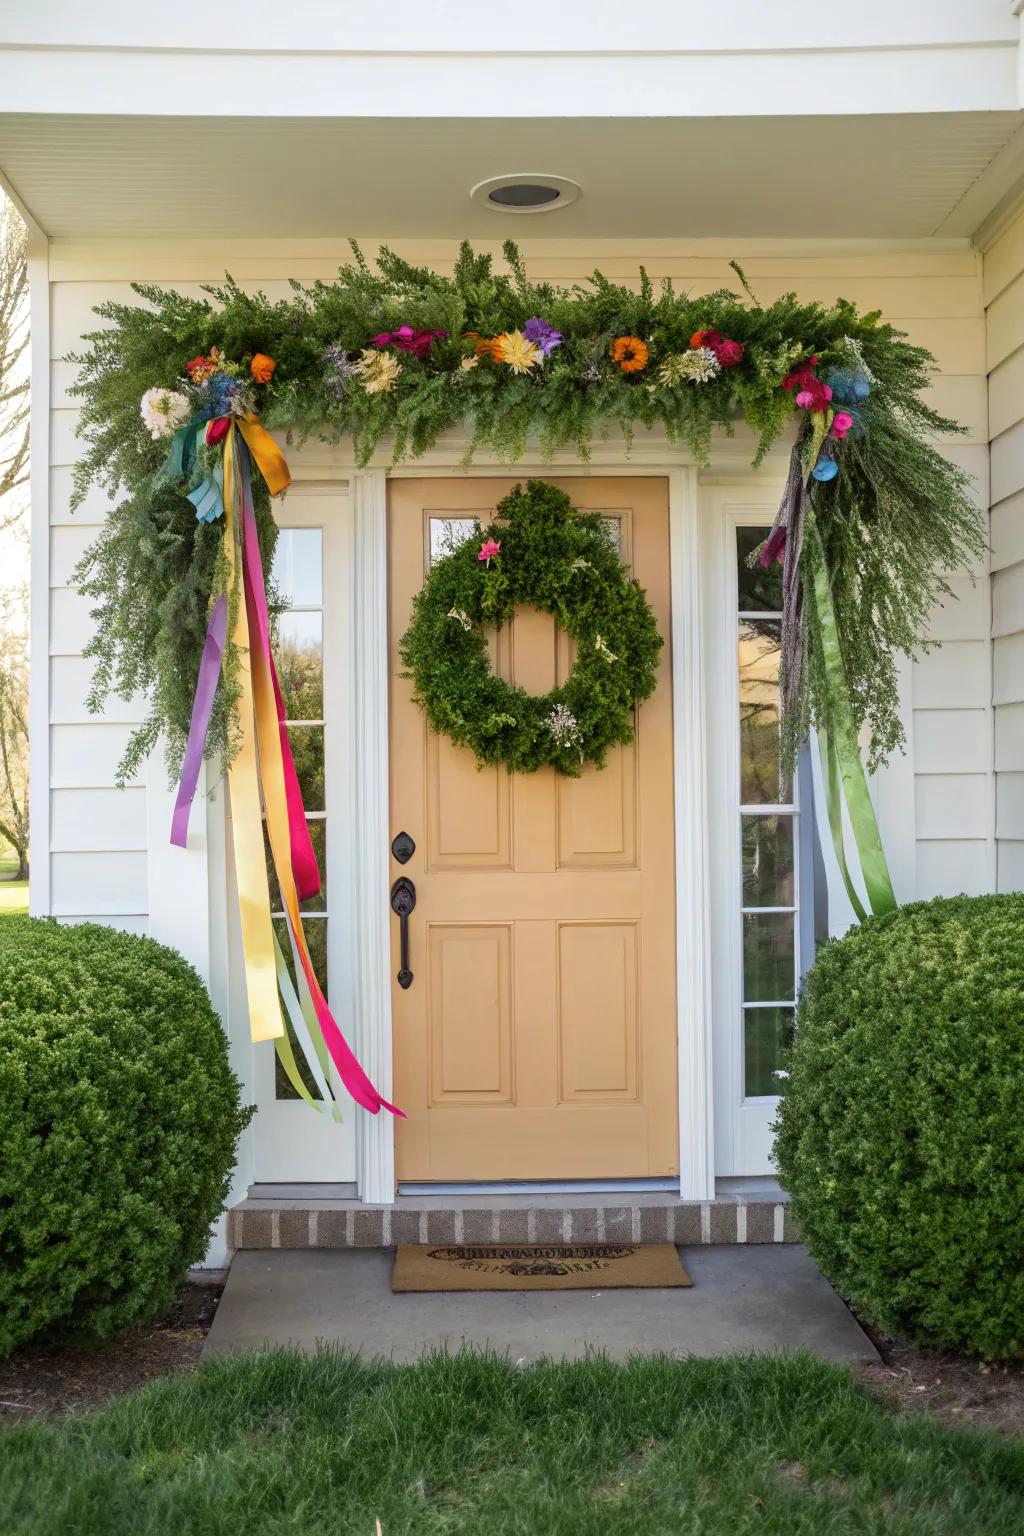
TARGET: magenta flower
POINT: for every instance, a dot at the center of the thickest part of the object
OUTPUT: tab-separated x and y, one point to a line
488	550
406	339
542	335
773	551
842	421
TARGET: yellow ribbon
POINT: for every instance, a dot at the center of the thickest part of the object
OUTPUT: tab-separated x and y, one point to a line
269	459
265	1020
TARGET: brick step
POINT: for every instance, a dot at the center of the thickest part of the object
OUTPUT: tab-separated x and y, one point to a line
340	1223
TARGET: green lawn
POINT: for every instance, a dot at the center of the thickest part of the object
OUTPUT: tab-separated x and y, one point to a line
13	893
470	1444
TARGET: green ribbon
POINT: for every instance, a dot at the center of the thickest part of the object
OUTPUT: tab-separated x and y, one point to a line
302	1017
841	759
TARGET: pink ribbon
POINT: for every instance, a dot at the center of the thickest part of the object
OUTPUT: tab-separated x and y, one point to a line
350	1071
304	866
202	707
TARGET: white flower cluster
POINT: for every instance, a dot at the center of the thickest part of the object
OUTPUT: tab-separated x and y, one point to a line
461	617
604	649
164	411
698	366
564	727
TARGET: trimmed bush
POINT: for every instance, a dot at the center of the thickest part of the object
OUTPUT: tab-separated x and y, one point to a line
900	1134
119	1116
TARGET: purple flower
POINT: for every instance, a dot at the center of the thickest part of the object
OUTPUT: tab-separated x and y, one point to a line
542	335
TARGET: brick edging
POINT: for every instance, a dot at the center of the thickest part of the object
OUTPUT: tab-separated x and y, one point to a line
256	1223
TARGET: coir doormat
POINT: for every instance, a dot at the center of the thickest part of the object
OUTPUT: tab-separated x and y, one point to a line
536	1267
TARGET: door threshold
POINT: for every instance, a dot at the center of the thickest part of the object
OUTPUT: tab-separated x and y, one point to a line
541	1187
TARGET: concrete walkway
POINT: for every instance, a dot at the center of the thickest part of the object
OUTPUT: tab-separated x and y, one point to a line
769	1297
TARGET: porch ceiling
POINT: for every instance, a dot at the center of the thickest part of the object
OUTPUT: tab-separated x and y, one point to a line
874	176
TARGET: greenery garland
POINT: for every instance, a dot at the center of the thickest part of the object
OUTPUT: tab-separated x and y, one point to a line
404	353
540	552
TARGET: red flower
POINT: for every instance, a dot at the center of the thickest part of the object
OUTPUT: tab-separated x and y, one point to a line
197	365
405	339
709	339
803	376
729	353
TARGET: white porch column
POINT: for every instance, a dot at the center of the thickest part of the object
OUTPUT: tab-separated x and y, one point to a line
693	918
375	1137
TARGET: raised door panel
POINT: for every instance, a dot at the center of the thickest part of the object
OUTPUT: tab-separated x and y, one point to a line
598	1012
469	1018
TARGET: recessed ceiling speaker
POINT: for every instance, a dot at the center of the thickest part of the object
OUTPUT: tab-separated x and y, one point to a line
527	192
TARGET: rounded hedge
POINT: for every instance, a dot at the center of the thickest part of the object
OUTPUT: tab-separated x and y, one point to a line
119	1116
900	1135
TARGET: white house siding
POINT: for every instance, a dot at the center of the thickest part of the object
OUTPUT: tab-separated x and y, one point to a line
1004	301
937	804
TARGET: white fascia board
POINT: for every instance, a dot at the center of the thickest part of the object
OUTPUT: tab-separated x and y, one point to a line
467	27
830	82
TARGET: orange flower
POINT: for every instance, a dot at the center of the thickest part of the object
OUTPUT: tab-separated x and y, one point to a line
630	353
486	346
262	368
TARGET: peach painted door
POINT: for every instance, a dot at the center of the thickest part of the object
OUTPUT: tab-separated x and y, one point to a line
538	1037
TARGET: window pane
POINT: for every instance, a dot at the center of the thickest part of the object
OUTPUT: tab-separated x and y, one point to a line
318	836
767	1031
307	743
768	957
297	570
760	590
760	780
299	655
316	938
767	861
447	533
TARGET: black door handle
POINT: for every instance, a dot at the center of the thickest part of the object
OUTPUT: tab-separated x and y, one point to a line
403	899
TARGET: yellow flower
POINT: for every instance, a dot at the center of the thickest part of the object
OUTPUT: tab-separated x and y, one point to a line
514	349
377	370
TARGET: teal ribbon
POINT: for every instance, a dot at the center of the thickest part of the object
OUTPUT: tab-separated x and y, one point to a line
842	767
208	498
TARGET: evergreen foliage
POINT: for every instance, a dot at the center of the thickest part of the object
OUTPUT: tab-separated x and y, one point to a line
562	564
119	1116
900	1136
894	520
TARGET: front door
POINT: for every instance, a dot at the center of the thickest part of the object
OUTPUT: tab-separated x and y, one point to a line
538	1037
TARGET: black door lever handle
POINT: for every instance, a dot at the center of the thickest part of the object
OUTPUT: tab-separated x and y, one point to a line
403	899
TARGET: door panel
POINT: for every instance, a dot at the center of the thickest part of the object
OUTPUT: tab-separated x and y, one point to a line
538	1038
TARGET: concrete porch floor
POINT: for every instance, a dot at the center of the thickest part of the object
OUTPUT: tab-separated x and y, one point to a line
743	1299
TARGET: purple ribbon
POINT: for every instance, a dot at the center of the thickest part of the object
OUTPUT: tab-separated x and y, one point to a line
202	707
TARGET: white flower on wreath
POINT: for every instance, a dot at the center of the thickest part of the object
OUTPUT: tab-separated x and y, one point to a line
580	564
461	617
698	366
602	647
564	726
377	371
468	364
164	411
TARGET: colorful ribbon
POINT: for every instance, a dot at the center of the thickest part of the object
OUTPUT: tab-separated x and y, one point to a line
840	751
202	707
263	770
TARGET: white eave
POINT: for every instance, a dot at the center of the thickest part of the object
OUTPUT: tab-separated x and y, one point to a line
879	121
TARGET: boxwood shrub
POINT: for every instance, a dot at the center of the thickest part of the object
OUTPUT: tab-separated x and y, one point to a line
900	1134
119	1116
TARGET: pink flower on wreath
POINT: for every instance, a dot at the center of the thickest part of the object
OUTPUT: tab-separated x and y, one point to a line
406	339
488	550
729	353
842	421
814	396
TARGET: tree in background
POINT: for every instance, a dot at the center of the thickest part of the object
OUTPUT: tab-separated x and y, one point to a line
14	379
14	446
14	731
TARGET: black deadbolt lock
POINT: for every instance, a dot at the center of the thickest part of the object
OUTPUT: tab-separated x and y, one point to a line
403	847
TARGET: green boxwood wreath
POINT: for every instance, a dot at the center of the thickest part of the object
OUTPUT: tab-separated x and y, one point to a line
564	563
